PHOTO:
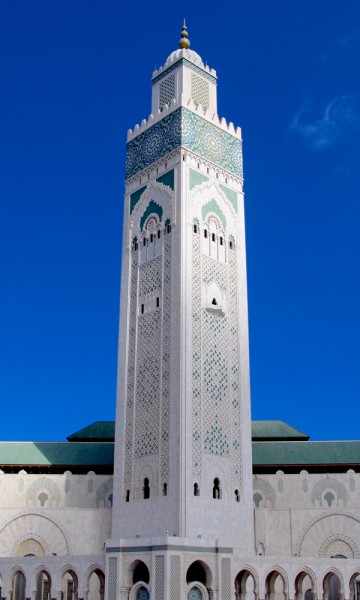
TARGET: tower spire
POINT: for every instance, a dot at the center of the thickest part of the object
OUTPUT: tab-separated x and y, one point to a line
184	40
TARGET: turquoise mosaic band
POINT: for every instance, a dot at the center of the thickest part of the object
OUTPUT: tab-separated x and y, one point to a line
189	130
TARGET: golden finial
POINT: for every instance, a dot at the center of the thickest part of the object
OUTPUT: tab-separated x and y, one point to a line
184	40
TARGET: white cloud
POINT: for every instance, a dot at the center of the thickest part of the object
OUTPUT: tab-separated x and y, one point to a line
339	117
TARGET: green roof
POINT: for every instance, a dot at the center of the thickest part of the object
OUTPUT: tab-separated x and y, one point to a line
275	430
99	431
56	453
261	430
303	454
101	454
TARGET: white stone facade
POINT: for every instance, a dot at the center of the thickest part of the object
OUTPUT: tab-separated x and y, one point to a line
183	517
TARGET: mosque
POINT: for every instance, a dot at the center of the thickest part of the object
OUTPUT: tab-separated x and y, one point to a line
183	498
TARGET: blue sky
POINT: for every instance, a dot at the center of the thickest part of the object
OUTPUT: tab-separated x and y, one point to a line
75	75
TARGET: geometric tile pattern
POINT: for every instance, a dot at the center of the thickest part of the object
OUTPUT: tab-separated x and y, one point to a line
187	129
165	372
147	396
147	383
234	357
196	362
129	415
215	368
215	359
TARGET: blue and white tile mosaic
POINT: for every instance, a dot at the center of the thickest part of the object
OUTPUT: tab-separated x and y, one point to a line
184	128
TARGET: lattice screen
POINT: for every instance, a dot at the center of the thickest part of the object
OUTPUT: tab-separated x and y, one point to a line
200	90
112	579
226	579
167	91
175	578
159	578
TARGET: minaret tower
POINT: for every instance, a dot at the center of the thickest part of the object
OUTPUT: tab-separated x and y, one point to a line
183	469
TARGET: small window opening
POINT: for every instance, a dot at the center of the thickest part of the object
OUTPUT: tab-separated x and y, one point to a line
142	309
205	233
127	498
216	489
165	165
226	179
217	175
199	166
237	496
148	175
213	237
231	245
146	489
168	228
144	242
151	237
214	301
221	241
184	157
136	246
157	302
196	489
195	228
208	171
165	489
159	234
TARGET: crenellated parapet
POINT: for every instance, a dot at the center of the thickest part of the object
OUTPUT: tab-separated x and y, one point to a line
202	111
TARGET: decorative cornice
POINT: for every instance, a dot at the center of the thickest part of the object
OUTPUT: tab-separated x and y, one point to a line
190	65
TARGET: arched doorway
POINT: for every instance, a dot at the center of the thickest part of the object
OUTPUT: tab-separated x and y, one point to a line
43	586
304	587
70	586
355	587
18	586
245	586
199	579
141	573
96	585
275	586
332	587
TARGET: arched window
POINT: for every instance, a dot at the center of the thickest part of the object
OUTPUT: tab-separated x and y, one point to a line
146	489
237	496
141	573
165	489
196	489
216	489
127	497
